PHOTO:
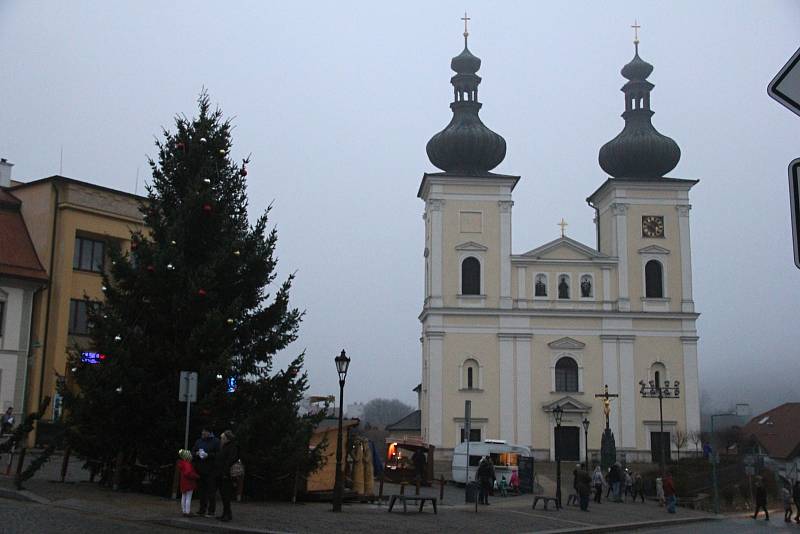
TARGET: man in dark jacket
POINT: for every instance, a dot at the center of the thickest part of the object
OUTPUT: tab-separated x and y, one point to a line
583	486
204	452
796	499
420	463
227	456
761	498
485	476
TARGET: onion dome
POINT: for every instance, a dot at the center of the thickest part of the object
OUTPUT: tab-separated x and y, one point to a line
466	145
639	151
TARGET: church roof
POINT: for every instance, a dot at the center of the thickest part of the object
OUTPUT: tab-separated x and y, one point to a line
584	252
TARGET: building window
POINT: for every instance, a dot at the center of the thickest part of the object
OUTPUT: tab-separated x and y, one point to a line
587	288
563	286
470	375
658	372
89	255
654	280
566	375
79	317
540	287
474	434
471	276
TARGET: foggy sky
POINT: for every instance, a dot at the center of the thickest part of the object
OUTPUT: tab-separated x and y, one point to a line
336	101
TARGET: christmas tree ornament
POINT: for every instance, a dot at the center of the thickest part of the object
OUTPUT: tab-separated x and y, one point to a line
173	243
243	171
202	139
105	316
219	376
180	145
230	321
113	262
117	338
207	180
201	292
170	266
207	208
103	288
151	269
237	253
134	245
119	389
222	151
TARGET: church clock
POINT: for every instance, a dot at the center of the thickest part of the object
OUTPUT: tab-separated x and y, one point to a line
652	226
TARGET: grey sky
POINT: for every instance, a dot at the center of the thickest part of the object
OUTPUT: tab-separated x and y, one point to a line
336	101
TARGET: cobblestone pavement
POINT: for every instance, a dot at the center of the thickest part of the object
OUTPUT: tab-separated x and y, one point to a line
78	500
740	525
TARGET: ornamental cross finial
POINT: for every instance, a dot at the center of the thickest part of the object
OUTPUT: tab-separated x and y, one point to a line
636	27
465	18
563	224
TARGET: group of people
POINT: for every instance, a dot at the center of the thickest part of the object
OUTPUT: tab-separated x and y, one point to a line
619	484
790	494
209	467
487	481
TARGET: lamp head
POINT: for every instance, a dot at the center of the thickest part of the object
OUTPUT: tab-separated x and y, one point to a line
558	414
342	363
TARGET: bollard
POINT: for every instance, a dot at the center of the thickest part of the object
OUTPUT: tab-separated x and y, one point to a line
65	463
441	488
380	490
176	477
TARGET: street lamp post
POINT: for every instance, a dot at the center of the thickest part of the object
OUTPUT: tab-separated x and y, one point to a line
558	414
585	424
342	363
655	390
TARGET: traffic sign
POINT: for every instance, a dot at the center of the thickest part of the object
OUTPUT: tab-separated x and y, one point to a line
187	389
794	200
785	86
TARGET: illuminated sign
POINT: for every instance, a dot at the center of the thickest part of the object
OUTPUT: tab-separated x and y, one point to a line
231	385
92	357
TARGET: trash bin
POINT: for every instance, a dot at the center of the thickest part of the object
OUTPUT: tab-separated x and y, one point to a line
472	490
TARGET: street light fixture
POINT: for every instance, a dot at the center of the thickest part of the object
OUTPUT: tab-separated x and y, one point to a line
655	390
342	363
585	424
558	415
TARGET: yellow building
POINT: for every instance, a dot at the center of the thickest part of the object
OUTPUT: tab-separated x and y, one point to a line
71	224
522	334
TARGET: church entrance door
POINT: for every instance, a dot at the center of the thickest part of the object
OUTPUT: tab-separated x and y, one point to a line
568	443
657	441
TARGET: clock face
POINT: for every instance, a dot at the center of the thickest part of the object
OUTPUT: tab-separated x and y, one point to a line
653	226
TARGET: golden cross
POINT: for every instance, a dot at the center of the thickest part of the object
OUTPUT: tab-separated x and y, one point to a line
635	31
563	224
465	18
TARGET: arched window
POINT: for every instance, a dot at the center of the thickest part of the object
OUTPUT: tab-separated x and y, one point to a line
470	276
563	286
658	373
654	280
587	288
566	374
540	287
470	375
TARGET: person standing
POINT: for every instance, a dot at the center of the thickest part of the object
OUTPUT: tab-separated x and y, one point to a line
420	463
615	479
660	491
787	503
188	480
628	485
598	482
205	452
584	487
669	493
796	497
485	480
638	486
761	499
228	455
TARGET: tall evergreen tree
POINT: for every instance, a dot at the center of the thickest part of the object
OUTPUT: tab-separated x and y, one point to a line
190	294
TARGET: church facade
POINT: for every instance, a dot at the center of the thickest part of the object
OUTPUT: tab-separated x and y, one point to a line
518	334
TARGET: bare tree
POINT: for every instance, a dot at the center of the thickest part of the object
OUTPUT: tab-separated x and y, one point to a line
382	412
679	439
696	437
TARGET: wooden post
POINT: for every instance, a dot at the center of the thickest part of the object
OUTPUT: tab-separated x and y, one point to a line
176	477
239	488
117	471
380	490
441	488
65	463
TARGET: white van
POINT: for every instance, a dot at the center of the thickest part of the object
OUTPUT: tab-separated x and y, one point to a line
505	457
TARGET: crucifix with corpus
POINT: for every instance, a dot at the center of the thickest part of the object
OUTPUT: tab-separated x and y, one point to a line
606	396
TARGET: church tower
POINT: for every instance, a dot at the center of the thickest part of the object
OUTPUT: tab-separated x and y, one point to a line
467	246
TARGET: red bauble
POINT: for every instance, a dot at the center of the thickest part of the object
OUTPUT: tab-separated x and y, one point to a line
243	172
151	269
206	208
179	145
201	292
134	245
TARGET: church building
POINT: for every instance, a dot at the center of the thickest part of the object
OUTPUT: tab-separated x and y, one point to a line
519	334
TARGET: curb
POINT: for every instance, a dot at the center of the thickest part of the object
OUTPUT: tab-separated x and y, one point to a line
22	495
634	526
202	526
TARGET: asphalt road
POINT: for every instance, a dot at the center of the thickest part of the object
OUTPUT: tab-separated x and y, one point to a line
18	517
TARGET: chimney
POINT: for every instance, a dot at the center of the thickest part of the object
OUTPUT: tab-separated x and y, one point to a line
5	172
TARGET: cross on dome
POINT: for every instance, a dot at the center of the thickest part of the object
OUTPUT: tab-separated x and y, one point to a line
563	224
465	18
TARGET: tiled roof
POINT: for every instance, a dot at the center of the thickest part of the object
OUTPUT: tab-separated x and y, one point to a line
18	258
777	431
412	421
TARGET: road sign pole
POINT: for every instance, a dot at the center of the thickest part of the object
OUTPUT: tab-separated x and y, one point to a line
188	411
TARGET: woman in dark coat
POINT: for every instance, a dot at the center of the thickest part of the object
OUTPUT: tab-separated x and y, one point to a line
583	485
485	476
228	454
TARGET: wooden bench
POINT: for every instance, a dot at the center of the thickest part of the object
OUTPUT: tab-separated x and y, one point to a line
546	500
415	498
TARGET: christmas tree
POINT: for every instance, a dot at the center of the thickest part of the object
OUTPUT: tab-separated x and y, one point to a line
190	295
